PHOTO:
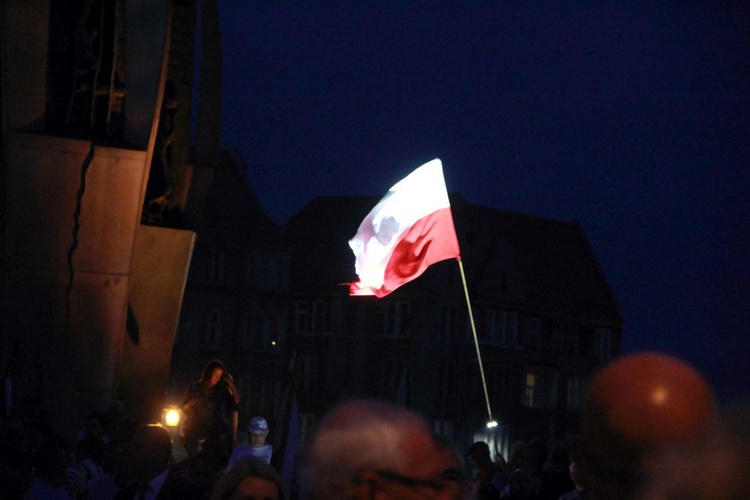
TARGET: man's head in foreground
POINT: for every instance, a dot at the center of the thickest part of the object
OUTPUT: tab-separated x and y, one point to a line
376	449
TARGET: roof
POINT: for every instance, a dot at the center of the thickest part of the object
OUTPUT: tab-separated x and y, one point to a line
232	209
533	263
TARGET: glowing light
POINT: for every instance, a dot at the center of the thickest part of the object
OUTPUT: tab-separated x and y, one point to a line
491	424
273	342
659	396
171	417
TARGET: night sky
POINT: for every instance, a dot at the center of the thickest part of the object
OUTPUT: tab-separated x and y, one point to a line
631	118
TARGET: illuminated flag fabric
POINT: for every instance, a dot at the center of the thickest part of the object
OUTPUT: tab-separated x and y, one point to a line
410	229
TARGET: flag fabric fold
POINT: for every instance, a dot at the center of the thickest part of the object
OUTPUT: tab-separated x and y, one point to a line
410	229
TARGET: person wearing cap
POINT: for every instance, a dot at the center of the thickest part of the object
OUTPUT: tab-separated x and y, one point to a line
257	432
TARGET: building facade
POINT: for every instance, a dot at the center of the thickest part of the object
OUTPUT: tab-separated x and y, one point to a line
544	315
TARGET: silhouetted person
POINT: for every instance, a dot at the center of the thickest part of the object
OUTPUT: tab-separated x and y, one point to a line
146	466
50	465
249	478
203	407
489	481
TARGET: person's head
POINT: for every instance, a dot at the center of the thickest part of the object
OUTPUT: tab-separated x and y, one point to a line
212	372
92	448
249	479
257	431
366	448
723	450
95	425
537	454
149	453
574	472
203	469
479	455
520	484
519	455
636	405
559	455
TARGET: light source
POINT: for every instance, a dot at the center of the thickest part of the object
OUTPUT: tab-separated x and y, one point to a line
171	416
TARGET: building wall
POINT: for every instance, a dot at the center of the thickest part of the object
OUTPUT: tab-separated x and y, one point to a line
416	345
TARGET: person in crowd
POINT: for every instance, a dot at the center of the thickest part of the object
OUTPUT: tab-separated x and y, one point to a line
520	486
106	486
202	407
519	456
257	434
95	427
88	464
199	471
712	465
579	491
489	481
50	466
226	399
16	458
120	427
556	475
537	457
249	478
636	406
375	449
147	467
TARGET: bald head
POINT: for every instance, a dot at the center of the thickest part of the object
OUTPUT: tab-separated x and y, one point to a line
376	440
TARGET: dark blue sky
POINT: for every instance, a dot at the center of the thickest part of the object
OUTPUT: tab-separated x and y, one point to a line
631	118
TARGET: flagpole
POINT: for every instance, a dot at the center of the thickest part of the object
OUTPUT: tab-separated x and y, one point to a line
476	340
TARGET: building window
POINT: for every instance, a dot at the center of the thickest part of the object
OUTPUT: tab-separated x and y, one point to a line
215	265
512	330
311	316
501	336
533	336
490	326
604	344
575	393
307	373
319	317
267	269
498	328
302	316
396	319
394	376
211	330
482	333
528	397
540	389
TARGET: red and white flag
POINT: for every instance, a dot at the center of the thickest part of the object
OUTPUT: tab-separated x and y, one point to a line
410	229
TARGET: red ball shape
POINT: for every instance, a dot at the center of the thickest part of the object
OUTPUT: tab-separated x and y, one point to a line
650	398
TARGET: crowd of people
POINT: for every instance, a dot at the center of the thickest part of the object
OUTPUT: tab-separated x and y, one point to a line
647	442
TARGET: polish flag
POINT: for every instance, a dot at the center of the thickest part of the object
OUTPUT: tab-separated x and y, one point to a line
410	229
